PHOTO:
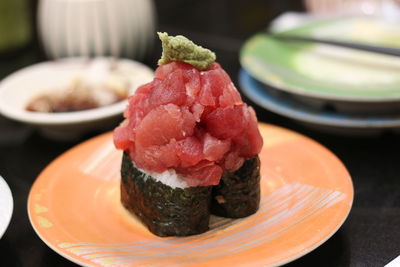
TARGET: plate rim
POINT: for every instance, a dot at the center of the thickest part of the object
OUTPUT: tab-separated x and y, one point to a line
285	261
322	241
55	249
252	88
10	199
299	90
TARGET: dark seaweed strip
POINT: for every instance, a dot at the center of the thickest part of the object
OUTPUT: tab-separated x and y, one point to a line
166	211
238	193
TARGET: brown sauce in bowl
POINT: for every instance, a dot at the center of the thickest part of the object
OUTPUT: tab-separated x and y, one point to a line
79	96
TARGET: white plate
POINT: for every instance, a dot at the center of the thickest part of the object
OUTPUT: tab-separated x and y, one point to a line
6	206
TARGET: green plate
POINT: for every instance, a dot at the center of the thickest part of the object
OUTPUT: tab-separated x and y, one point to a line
324	71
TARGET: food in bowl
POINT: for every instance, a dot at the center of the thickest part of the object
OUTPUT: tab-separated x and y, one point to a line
190	145
102	83
21	87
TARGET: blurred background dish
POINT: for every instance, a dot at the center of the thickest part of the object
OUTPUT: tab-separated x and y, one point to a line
350	80
118	28
324	120
388	9
6	206
95	79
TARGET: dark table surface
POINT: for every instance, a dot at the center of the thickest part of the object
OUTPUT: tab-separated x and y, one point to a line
369	237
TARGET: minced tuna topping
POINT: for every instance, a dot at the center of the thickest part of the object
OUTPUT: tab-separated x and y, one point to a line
190	120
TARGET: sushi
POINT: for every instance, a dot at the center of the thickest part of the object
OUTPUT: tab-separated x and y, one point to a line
238	193
189	145
164	210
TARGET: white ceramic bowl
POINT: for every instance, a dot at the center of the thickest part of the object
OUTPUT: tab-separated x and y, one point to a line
18	89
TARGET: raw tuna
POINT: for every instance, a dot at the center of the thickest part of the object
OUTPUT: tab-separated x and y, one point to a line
190	120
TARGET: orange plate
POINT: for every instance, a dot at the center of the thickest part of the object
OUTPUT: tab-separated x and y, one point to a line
306	195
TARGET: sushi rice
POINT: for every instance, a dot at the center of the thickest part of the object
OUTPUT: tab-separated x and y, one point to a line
168	177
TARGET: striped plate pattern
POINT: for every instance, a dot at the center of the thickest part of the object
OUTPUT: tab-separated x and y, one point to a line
289	205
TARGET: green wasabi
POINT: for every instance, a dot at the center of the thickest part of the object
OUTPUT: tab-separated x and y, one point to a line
179	48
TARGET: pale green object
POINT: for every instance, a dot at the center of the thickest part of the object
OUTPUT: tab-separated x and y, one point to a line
14	24
327	72
179	48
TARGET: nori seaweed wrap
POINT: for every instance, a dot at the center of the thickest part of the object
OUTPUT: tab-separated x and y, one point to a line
166	211
238	193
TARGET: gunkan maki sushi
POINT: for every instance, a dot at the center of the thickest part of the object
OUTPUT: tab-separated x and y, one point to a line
190	145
